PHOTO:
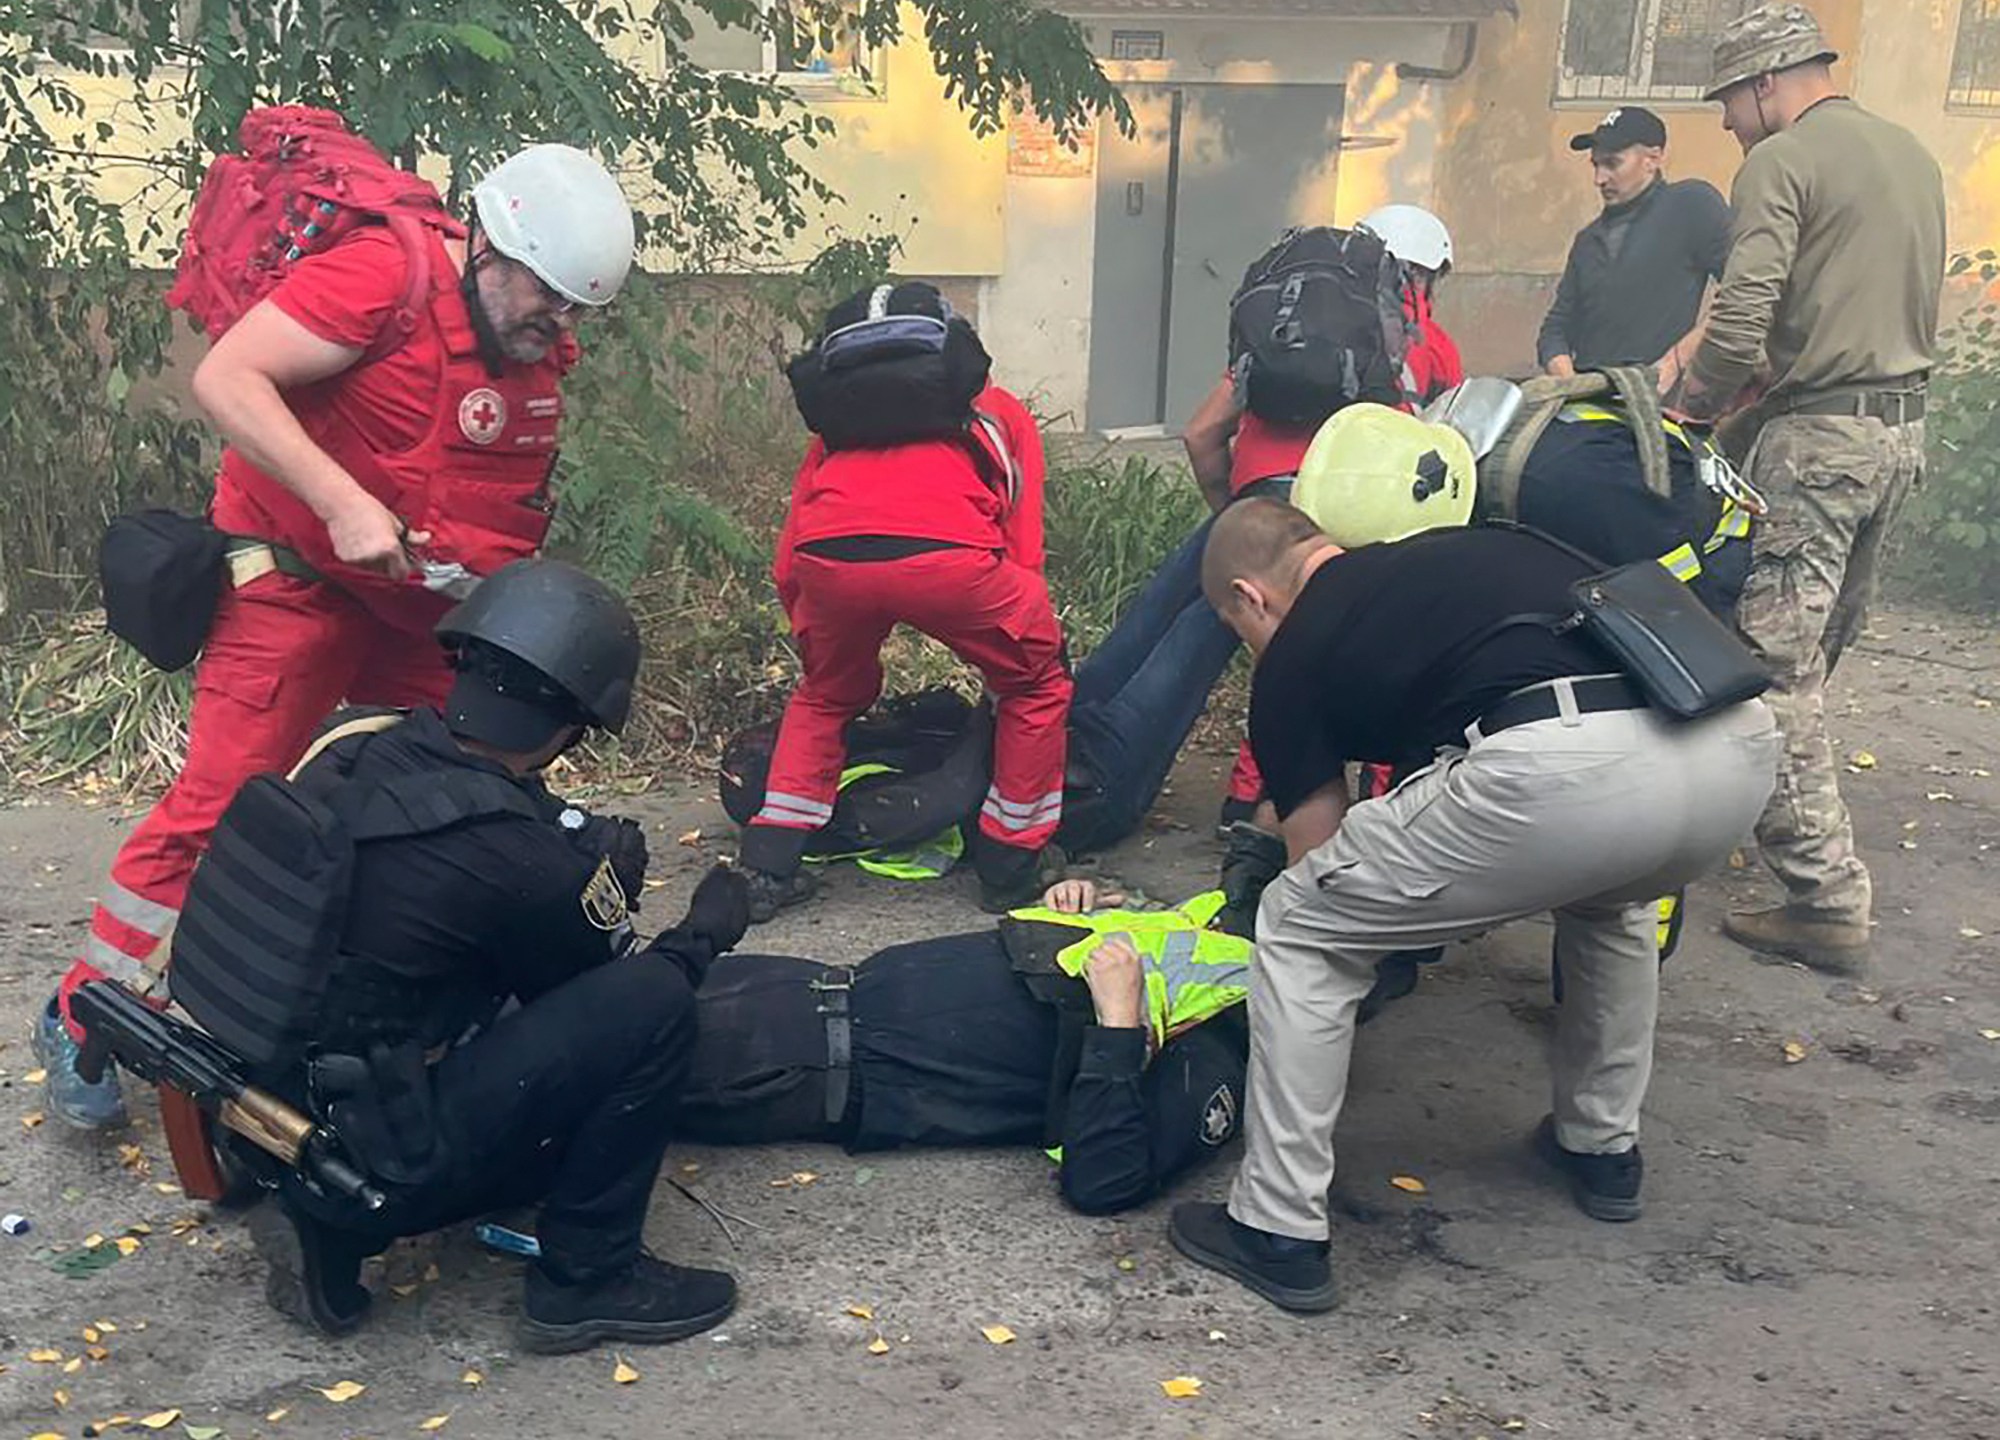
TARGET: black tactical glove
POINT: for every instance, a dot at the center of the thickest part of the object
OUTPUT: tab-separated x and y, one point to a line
716	919
720	909
622	842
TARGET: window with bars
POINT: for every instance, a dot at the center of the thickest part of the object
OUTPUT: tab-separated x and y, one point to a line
848	66
1644	49
1975	58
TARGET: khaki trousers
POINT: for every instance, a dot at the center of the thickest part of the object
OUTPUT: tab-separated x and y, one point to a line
1590	816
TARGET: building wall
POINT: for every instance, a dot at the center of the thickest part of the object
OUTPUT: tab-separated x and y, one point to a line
1514	193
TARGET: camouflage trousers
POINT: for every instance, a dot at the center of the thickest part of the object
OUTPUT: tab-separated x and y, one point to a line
1835	486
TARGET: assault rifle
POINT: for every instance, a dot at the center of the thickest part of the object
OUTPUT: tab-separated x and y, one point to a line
156	1047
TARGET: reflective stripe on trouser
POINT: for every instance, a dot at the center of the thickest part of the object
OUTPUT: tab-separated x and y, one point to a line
282	654
1592	819
991	613
1835	485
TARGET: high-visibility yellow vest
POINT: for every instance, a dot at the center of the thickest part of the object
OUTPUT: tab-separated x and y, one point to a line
1192	973
928	861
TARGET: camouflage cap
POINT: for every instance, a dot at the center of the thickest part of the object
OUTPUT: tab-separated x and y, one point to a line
1770	37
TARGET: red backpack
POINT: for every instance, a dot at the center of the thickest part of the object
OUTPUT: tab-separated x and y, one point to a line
302	183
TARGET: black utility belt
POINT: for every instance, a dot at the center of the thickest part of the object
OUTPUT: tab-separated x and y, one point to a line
1589	695
1895	406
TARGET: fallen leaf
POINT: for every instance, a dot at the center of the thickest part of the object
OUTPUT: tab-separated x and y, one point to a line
1982	703
1409	1184
70	1367
693	1167
471	1377
45	1435
997	1334
98	1352
1127	1263
107	1327
276	1415
201	1432
692	837
1217	1335
878	1346
1989	1034
1514	1423
623	1374
31	1119
128	1246
1966	932
61	1397
1862	760
431	1273
35	1077
45	1357
803	1177
138	1227
342	1392
90	1334
91	1242
1181	1387
166	1187
861	1312
1794	1052
403	1292
160	1419
1939	795
436	1422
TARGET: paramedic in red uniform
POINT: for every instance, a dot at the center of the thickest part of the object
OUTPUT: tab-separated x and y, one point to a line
945	536
353	469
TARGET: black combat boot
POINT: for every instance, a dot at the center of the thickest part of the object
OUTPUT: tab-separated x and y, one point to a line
315	1270
649	1302
769	893
1010	877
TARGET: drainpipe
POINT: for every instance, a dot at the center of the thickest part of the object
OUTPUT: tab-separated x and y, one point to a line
1468	33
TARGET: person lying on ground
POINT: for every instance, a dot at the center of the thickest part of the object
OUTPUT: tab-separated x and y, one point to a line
1115	1035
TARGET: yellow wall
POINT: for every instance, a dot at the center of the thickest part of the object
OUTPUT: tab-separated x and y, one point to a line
907	156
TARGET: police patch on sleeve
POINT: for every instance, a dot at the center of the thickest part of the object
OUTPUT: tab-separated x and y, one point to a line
603	899
1218	1117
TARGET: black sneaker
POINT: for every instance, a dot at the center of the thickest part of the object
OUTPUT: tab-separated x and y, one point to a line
315	1270
768	893
1395	977
1605	1187
1292	1274
648	1303
1009	879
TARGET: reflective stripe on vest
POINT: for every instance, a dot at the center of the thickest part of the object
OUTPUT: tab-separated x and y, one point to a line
932	860
1192	973
1732	524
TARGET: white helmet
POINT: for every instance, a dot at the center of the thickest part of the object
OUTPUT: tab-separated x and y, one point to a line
559	212
1413	235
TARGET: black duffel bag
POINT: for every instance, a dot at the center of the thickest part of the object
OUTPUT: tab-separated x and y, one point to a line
163	575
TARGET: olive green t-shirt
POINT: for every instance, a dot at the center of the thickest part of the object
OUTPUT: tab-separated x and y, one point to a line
1836	259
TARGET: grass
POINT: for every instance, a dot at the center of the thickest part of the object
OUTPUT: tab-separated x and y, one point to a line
81	711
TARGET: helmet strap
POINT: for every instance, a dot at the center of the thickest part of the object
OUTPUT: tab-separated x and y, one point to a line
478	252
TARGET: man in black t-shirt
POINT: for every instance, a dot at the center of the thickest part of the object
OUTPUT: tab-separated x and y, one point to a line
1554	788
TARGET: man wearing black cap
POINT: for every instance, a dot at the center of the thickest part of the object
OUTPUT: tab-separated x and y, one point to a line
1633	286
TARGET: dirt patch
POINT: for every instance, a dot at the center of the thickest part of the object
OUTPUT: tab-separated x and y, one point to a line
1815	1262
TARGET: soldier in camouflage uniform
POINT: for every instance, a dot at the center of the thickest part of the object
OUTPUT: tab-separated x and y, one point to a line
1827	313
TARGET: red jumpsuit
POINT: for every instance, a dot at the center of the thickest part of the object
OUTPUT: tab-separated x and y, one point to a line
1261	450
978	591
1433	365
444	444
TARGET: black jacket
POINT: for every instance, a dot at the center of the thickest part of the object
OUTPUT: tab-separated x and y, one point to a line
1635	277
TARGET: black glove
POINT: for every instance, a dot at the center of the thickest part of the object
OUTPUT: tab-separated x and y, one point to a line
716	919
720	910
622	842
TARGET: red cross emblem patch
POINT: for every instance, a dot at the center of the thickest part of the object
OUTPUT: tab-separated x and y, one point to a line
482	415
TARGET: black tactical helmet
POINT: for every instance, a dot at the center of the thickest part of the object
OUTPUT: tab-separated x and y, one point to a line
540	644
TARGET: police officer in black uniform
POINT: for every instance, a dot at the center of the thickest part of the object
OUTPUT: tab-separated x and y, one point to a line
943	1042
568	1098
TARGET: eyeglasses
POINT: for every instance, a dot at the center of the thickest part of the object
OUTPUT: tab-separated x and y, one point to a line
557	302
